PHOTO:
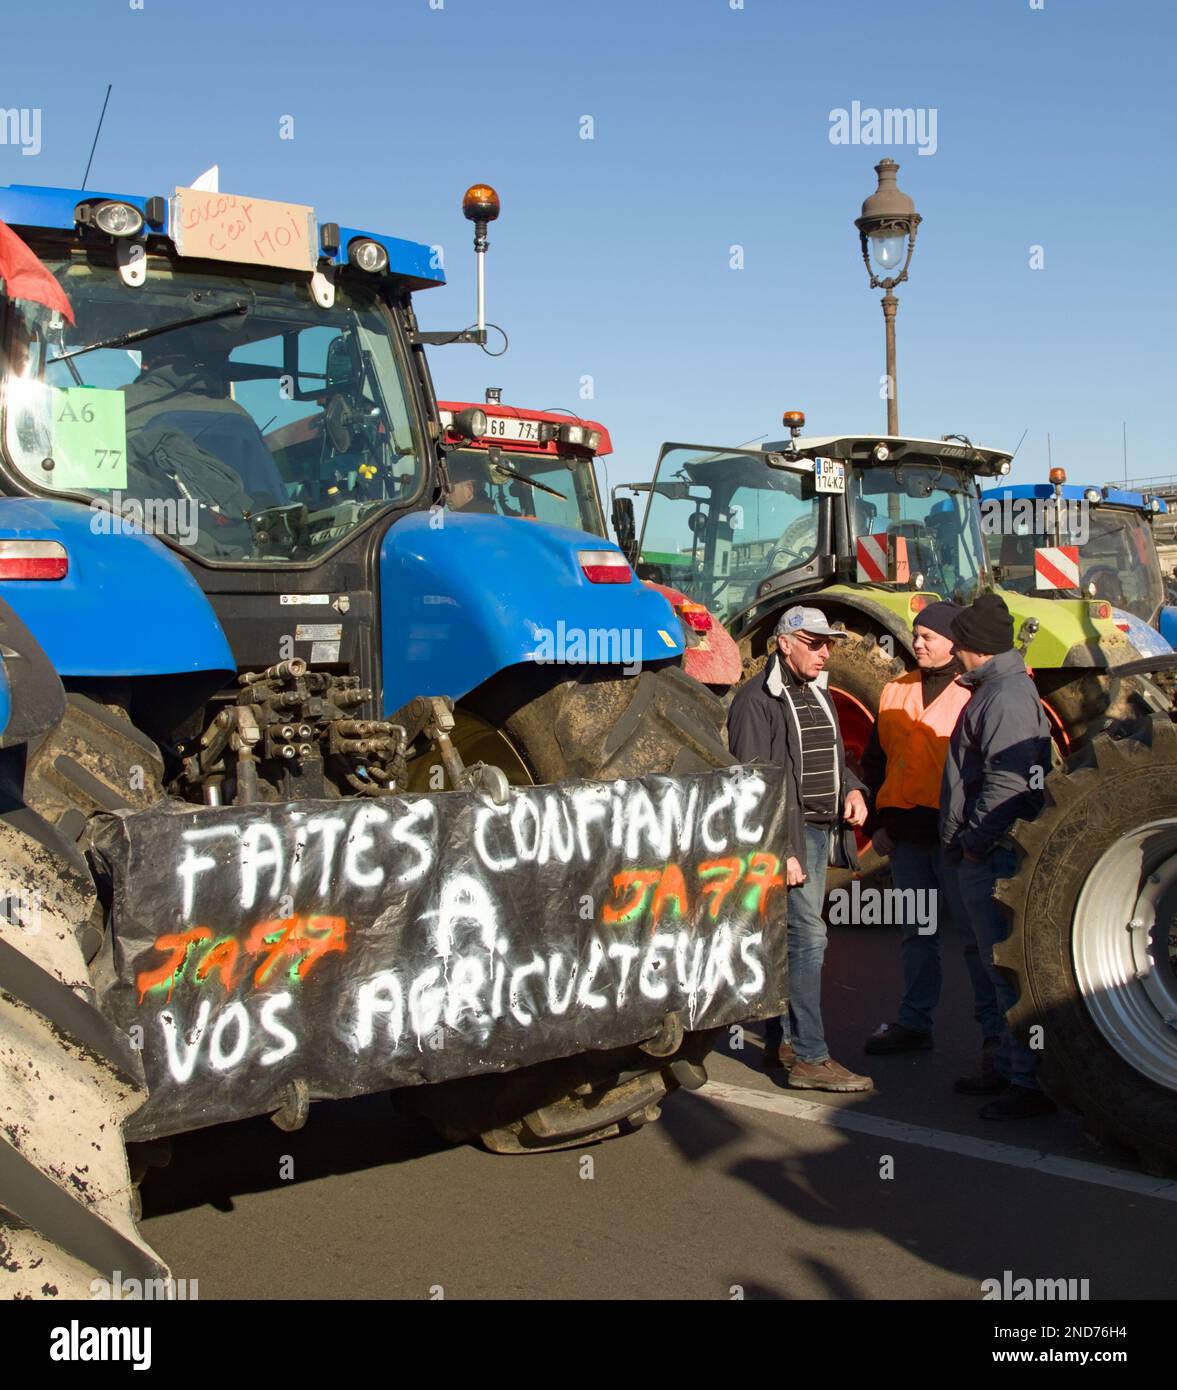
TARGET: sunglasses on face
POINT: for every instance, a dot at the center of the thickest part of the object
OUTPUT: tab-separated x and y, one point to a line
814	644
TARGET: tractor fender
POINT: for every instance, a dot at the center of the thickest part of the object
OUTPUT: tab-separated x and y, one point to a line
842	606
1168	625
464	596
126	606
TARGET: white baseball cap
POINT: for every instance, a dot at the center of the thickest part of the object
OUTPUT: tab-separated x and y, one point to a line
812	620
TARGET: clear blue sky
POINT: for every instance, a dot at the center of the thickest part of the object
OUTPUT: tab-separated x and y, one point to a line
711	130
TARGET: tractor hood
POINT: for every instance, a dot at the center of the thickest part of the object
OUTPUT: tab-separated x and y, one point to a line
475	594
125	606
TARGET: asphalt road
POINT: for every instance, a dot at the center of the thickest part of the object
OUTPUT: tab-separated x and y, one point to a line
742	1189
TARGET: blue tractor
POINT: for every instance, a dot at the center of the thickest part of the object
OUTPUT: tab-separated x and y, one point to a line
1118	559
234	585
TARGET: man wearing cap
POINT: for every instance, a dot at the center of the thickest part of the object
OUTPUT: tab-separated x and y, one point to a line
784	716
903	767
997	761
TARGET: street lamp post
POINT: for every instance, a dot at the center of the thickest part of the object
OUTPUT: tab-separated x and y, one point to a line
886	232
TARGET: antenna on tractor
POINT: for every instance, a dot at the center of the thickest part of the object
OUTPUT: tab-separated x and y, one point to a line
97	133
1021	441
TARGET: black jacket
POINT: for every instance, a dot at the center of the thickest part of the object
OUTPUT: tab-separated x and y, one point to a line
761	730
998	758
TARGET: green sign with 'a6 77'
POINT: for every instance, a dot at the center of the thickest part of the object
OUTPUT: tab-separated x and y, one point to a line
89	438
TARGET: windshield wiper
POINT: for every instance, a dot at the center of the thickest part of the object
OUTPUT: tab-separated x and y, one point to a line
523	478
241	306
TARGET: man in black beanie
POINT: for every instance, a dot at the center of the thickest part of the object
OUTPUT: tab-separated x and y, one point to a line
997	762
903	768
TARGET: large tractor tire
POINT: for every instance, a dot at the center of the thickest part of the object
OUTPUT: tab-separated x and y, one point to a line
1092	945
589	726
68	1078
586	725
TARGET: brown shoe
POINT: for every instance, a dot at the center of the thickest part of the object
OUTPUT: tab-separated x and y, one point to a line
827	1076
779	1055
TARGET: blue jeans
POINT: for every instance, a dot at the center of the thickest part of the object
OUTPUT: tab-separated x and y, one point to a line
989	925
807	949
922	868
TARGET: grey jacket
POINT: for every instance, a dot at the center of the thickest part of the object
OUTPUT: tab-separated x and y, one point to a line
998	758
761	728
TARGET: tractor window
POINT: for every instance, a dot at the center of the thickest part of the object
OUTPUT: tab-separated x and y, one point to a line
251	426
1120	559
1118	556
721	522
484	480
935	511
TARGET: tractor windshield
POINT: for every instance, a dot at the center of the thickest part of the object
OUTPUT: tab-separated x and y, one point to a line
496	481
719	523
1119	557
935	511
231	414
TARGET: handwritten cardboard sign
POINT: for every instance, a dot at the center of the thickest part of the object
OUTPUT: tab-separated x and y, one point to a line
254	231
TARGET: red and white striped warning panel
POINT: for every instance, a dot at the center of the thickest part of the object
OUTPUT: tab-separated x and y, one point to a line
882	559
1056	567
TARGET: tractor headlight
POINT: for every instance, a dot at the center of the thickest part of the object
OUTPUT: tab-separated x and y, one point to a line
1003	467
115	219
1093	495
368	255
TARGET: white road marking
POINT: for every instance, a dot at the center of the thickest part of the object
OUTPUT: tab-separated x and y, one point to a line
853	1122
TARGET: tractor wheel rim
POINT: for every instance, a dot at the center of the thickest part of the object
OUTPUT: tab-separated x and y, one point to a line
1123	947
477	742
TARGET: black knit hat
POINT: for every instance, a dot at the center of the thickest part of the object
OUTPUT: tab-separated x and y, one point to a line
938	617
985	626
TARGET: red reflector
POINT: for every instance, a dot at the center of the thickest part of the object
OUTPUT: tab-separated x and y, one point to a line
604	566
696	616
1122	626
920	601
1101	610
33	560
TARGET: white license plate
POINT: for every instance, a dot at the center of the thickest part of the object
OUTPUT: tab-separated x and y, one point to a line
502	427
829	475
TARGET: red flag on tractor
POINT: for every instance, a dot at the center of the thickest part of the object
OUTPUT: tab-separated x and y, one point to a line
25	277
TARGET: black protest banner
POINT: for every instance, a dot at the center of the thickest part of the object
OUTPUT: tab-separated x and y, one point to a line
365	945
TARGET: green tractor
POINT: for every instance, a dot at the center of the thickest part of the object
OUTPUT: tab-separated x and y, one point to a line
870	529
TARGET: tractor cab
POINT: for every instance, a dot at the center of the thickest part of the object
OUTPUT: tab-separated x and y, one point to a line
1062	540
254	416
531	464
739	528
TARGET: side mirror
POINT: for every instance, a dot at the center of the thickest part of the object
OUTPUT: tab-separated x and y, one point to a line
624	527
